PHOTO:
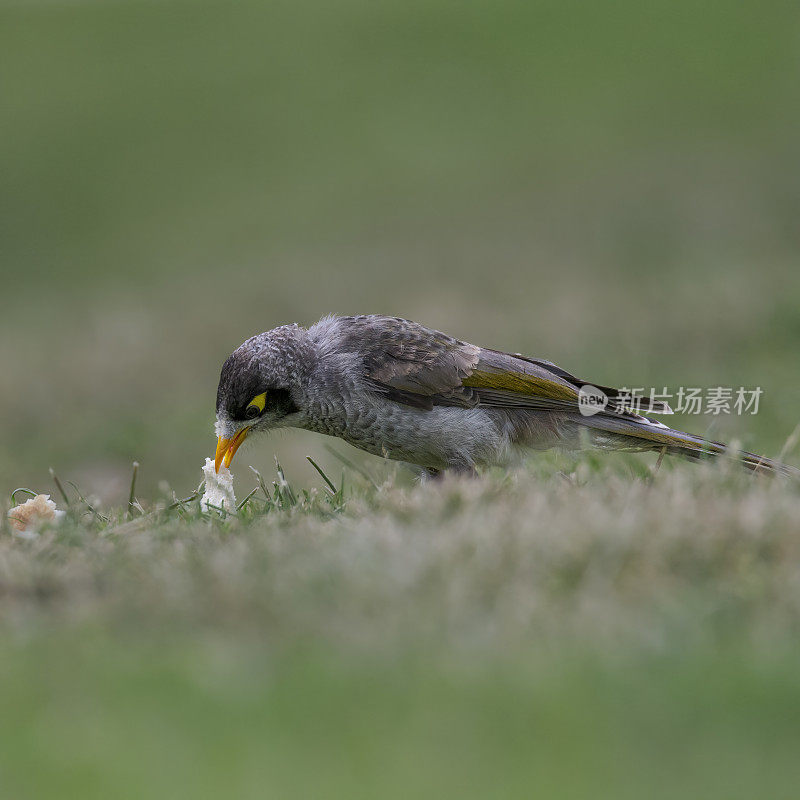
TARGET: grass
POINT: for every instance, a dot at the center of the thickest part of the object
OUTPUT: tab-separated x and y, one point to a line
568	628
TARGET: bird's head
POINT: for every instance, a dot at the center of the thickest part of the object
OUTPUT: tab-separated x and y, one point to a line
258	388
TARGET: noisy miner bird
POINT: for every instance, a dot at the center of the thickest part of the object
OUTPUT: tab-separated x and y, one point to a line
403	391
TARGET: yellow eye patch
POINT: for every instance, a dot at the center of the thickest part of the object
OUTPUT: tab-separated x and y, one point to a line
258	402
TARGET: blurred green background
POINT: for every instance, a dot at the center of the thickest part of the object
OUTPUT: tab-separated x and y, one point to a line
614	186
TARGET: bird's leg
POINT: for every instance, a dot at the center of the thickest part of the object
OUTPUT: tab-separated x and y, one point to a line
463	470
431	474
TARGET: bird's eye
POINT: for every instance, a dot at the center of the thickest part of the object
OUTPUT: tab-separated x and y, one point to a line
256	406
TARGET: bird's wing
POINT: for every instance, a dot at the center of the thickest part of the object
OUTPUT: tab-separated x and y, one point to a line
515	381
417	366
408	362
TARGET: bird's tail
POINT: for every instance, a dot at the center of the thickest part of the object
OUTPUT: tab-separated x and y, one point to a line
643	433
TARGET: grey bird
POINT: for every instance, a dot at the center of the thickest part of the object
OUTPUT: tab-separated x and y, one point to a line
400	390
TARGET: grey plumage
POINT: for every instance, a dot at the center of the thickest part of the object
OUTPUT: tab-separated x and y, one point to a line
398	389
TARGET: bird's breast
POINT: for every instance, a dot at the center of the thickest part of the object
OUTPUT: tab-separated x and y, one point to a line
438	438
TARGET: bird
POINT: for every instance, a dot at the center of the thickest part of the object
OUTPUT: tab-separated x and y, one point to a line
398	389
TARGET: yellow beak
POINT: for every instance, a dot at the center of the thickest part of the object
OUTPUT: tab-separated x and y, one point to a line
226	448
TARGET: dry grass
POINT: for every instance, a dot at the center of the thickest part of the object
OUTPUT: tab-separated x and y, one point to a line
580	634
505	561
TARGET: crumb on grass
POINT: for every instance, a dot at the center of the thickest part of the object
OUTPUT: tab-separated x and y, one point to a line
32	514
219	488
